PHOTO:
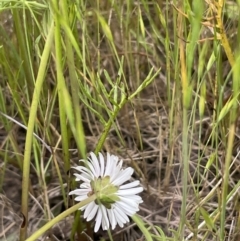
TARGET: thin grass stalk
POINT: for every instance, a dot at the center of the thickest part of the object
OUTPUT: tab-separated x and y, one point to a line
201	107
142	227
168	60
197	189
228	160
3	169
174	94
108	33
231	136
184	171
224	40
75	226
186	75
174	73
79	135
16	149
13	85
23	49
214	139
98	40
221	128
74	87
108	126
61	182
184	131
30	128
233	116
42	177
83	38
61	87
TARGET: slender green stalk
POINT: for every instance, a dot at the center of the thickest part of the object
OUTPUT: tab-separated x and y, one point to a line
185	100
184	172
60	217
231	137
61	88
80	140
108	126
78	126
141	225
75	226
29	137
23	48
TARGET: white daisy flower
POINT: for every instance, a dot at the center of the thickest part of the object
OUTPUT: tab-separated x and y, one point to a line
115	201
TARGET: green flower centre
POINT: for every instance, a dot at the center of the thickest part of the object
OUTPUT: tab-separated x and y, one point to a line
105	191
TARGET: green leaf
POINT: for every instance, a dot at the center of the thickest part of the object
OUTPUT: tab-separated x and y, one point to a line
207	218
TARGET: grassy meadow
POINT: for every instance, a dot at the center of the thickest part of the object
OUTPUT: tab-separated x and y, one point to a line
154	82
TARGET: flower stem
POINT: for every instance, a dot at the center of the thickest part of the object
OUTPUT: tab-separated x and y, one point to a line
60	217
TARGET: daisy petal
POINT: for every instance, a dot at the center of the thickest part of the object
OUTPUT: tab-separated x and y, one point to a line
123	176
92	212
131	191
130	185
101	164
98	220
95	164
